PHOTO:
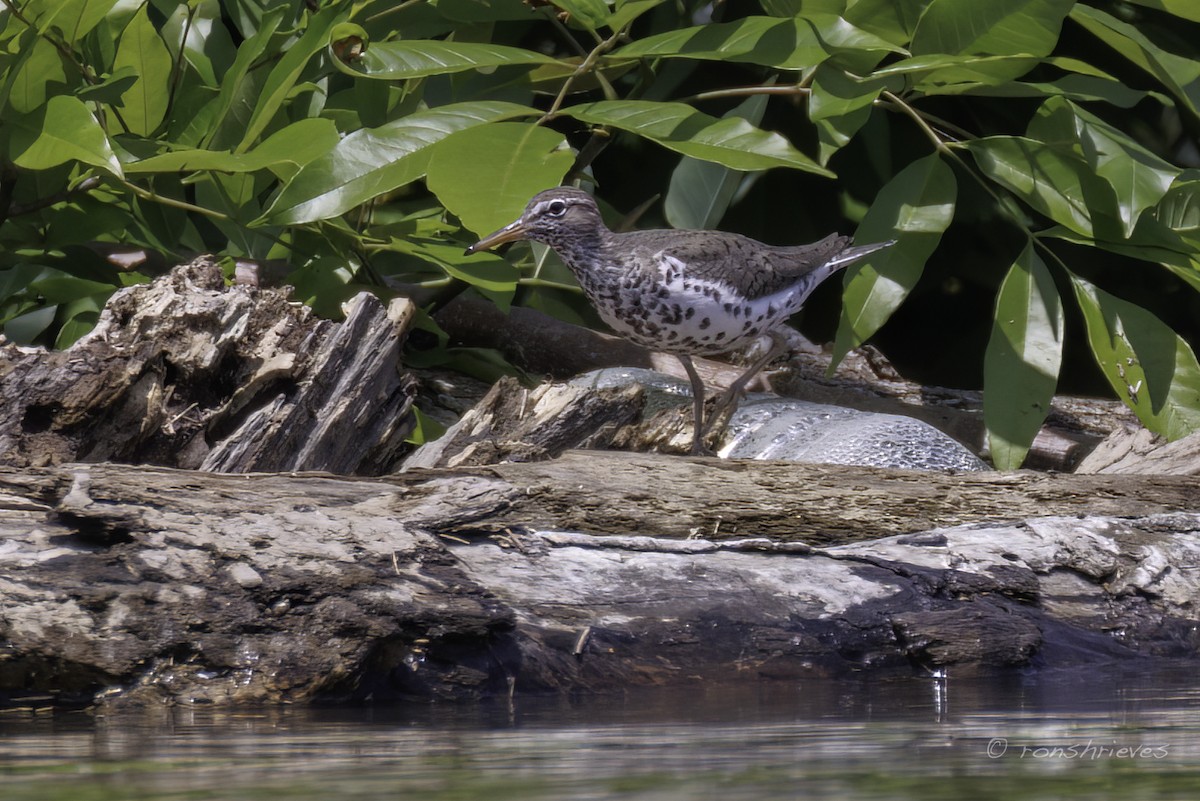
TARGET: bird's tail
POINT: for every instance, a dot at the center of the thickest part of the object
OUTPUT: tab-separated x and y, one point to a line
804	288
858	253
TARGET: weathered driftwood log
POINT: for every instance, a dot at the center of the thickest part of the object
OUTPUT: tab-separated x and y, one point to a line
150	584
865	380
602	492
188	372
1134	450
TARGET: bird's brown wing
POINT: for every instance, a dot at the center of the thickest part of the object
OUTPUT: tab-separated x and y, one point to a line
750	267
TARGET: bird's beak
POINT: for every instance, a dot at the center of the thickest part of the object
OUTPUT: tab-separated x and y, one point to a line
509	233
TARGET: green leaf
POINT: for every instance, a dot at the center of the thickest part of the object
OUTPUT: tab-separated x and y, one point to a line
732	142
39	74
629	10
60	131
591	14
238	86
1049	180
1023	358
511	161
1176	257
1150	367
893	20
74	18
487	272
1138	178
840	105
995	27
65	288
1186	9
1084	88
295	145
372	161
27	327
771	41
208	49
700	191
142	50
1173	72
425	428
287	71
79	317
914	208
1179	208
786	43
403	60
111	89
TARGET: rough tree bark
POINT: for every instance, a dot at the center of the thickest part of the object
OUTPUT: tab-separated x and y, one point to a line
591	570
188	372
138	585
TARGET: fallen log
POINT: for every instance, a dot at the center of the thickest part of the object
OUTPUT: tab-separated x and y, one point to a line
188	372
147	585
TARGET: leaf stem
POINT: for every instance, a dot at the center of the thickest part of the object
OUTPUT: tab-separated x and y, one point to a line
951	152
147	194
747	91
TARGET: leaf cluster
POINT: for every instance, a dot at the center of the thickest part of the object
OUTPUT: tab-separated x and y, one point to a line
360	144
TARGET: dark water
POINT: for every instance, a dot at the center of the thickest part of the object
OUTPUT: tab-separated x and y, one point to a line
1096	735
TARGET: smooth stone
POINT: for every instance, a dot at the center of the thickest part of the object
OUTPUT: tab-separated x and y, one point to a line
769	427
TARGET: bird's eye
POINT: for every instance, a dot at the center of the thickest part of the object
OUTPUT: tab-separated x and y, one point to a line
556	208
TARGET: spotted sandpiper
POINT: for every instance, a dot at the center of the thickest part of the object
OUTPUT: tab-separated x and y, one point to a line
690	293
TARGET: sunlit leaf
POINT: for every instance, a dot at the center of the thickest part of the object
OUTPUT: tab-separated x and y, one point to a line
1050	180
786	43
372	161
208	49
141	49
513	160
1179	208
405	59
296	145
39	73
287	71
238	94
1138	178
732	142
995	27
914	208
60	131
1187	9
1151	368
73	18
1024	354
1173	72
591	14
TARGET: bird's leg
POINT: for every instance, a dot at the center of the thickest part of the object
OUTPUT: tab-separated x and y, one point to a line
728	400
698	447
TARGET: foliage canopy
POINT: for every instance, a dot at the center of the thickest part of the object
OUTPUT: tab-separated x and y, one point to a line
362	143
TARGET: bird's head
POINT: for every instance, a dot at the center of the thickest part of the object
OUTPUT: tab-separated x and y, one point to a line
555	217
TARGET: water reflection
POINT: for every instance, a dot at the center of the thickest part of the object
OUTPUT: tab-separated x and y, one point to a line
1105	734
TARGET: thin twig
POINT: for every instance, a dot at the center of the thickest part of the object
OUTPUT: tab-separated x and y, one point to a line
86	185
584	67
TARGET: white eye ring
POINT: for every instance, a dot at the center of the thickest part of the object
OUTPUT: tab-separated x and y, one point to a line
557	208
